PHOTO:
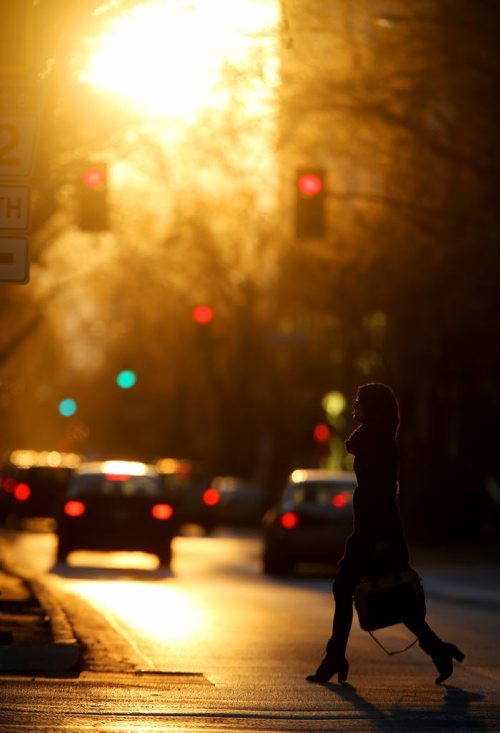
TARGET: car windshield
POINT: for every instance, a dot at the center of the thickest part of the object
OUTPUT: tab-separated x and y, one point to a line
100	484
317	493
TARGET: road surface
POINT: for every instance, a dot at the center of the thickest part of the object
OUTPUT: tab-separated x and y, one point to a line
215	645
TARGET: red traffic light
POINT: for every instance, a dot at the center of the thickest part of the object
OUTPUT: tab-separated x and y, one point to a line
203	314
95	177
310	184
310	208
321	433
92	193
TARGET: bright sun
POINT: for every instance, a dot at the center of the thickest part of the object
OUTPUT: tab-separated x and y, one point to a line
166	56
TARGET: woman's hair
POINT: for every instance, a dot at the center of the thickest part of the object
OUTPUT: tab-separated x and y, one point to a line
379	405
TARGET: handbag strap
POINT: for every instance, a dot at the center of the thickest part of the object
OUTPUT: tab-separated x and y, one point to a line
397	651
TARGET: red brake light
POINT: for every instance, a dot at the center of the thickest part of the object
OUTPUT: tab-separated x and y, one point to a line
184	469
22	492
340	500
211	496
116	477
74	508
289	520
9	484
162	511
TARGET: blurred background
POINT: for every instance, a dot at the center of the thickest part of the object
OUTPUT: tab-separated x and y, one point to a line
243	210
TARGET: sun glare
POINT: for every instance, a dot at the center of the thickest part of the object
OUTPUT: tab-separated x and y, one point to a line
166	56
165	614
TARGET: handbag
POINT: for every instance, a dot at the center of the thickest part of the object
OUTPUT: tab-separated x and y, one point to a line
386	600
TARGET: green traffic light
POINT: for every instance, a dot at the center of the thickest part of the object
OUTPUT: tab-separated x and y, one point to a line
67	407
126	379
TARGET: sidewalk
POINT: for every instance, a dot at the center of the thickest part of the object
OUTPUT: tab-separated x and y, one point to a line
35	638
468	575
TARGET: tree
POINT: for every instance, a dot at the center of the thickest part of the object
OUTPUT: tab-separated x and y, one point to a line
413	227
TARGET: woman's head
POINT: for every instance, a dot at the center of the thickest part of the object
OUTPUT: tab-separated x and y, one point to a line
377	403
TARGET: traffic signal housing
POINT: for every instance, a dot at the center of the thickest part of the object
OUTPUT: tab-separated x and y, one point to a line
310	191
93	198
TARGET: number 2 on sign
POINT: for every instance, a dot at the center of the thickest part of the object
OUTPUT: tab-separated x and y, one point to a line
9	140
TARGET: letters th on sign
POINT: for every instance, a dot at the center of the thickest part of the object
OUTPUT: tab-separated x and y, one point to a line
15	208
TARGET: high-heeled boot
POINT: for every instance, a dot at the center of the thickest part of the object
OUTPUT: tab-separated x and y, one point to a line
443	659
329	667
441	653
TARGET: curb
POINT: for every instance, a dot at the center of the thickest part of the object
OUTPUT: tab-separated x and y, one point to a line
62	656
62	632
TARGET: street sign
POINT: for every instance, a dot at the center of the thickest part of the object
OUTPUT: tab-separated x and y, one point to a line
14	259
20	107
17	145
20	98
15	207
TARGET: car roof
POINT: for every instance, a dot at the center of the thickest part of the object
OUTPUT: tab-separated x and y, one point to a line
23	458
232	482
117	468
320	475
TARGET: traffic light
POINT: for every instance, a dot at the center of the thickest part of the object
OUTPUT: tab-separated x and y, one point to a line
67	407
321	435
93	198
310	203
126	379
202	314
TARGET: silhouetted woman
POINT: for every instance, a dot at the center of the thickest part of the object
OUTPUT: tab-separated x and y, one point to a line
377	542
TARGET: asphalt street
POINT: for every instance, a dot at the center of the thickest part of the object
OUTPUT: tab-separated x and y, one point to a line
236	654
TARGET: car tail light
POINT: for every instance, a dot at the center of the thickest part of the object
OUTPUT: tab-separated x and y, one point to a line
117	477
289	520
9	484
74	508
339	501
211	496
22	492
162	511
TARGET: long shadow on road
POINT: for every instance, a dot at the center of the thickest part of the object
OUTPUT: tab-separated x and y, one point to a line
454	715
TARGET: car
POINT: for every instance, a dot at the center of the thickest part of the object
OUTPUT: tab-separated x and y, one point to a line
187	483
117	505
311	522
33	484
238	502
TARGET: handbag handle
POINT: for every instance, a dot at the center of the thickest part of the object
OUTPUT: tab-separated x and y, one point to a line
397	651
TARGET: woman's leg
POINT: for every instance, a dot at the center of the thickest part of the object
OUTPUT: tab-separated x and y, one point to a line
350	570
334	661
342	618
428	640
442	653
